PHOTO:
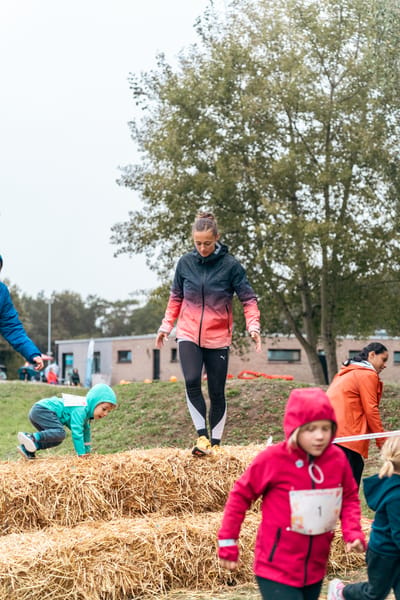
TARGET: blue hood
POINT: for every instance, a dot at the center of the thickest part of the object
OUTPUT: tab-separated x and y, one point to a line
378	491
100	392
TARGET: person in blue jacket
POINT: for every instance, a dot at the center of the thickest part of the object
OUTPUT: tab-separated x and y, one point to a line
382	493
51	415
13	331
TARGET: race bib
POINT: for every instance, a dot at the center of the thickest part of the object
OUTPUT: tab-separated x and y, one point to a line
314	511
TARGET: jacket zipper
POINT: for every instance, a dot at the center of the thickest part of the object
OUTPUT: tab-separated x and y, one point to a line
310	460
276	542
202	304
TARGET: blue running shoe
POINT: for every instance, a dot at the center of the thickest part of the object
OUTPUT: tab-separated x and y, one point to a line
25	453
27	440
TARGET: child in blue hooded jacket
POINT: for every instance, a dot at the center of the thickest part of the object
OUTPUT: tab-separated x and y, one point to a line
382	493
51	415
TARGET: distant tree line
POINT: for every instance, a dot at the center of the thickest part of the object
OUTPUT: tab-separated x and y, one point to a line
74	317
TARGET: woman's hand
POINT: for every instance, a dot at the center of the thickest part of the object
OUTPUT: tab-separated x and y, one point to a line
256	337
161	338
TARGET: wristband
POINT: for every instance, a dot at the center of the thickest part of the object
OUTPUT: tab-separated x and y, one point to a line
223	543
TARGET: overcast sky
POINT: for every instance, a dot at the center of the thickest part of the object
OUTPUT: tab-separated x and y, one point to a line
64	107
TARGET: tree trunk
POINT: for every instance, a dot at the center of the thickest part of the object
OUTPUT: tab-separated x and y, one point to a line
328	338
308	342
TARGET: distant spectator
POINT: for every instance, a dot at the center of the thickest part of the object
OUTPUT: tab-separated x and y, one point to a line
75	379
52	377
54	367
13	331
28	373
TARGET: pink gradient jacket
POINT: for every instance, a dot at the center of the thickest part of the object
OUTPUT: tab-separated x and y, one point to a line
201	299
283	555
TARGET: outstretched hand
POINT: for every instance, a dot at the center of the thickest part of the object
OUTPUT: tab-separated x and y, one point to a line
256	337
39	364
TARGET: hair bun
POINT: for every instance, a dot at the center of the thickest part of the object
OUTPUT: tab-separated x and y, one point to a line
205	215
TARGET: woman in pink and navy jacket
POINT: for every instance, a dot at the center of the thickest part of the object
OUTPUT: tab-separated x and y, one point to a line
306	484
201	301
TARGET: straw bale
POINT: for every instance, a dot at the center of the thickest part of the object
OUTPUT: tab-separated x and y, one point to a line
69	490
121	559
341	562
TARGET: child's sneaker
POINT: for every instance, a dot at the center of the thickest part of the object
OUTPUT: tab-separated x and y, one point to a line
335	590
28	441
216	449
25	453
202	447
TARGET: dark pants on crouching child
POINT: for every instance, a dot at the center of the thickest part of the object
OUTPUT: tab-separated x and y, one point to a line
52	431
383	575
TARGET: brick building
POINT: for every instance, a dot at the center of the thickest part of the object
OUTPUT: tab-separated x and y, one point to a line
134	358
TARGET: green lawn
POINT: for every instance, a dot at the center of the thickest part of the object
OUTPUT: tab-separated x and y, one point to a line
156	415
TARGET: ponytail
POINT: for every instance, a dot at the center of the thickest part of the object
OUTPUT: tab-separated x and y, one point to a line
376	347
390	455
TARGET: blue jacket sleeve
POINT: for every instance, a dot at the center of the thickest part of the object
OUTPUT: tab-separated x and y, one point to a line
79	426
87	437
12	329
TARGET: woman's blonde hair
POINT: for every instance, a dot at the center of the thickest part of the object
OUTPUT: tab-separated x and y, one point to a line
390	455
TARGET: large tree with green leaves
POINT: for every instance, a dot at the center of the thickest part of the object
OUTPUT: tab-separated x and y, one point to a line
284	121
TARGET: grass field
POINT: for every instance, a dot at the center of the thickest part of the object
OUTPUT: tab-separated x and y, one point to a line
150	415
156	415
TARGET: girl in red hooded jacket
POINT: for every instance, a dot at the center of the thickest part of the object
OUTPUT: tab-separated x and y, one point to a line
305	483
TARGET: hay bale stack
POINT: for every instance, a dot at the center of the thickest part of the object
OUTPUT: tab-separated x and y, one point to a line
129	525
132	558
120	559
67	491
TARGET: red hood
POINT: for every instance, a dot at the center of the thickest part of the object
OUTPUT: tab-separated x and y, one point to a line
306	405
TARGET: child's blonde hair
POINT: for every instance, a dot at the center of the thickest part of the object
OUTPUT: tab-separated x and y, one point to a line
390	455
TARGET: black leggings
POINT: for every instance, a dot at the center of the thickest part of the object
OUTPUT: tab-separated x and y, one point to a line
215	361
383	574
356	462
271	590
